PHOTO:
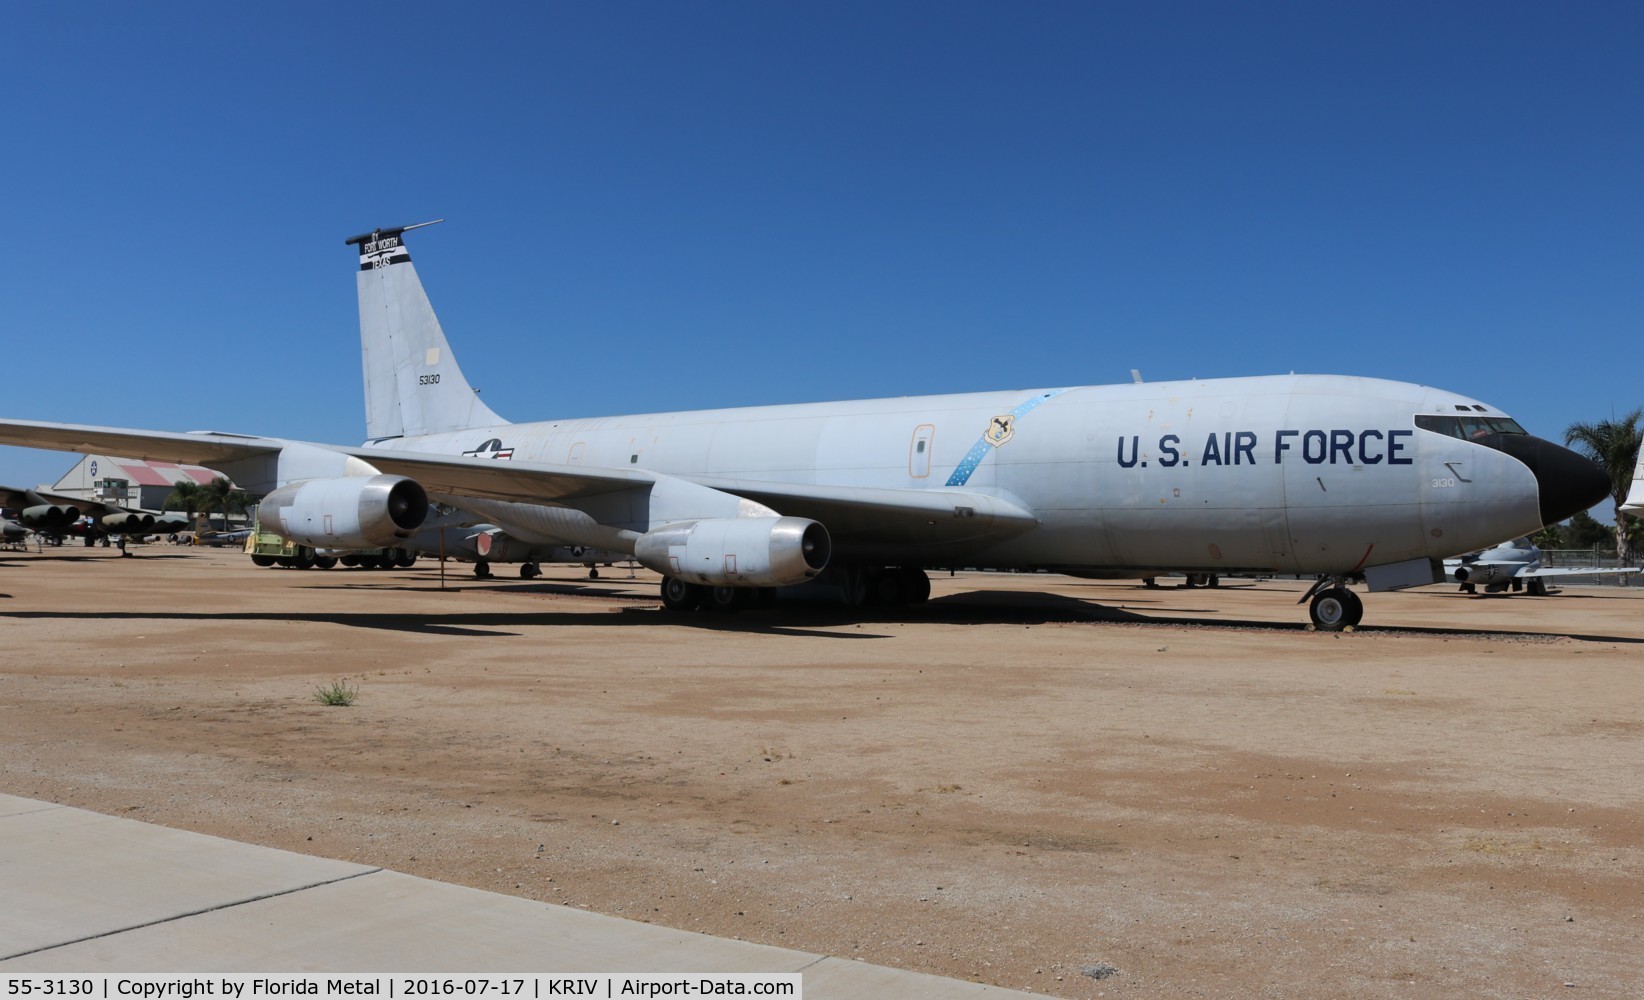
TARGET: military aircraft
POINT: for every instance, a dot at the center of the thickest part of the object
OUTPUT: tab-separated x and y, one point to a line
1634	504
1516	565
1349	479
12	533
484	544
57	515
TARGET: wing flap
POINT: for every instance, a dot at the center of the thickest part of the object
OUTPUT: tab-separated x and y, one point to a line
914	520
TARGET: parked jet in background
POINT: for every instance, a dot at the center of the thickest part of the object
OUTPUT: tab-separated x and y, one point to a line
1634	504
484	544
12	533
1516	565
58	515
1349	479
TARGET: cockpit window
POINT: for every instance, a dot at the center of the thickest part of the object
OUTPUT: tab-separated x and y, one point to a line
1470	428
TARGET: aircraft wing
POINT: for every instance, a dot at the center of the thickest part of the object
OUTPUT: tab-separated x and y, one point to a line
915	518
1580	571
196	448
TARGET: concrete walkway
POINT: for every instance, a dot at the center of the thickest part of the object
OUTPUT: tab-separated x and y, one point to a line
84	892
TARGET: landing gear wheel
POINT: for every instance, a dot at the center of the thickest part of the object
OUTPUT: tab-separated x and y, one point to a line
915	585
1336	608
593	573
264	561
1536	587
529	571
482	570
406	558
890	589
855	587
728	598
677	595
322	562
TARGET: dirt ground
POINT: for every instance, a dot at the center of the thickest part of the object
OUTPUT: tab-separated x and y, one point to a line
1079	788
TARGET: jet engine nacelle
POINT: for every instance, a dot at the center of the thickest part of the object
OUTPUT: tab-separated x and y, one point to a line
353	512
50	517
737	551
128	523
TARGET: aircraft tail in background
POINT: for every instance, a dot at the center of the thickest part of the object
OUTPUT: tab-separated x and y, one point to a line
1635	497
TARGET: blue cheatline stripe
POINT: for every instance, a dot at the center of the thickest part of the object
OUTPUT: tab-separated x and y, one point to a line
980	449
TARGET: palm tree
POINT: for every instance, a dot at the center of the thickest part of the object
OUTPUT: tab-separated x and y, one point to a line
187	496
222	495
1613	445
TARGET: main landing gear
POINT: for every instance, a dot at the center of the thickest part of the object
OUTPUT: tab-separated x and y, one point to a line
1333	606
677	595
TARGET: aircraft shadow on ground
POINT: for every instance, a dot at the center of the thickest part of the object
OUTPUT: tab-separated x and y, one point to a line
812	620
468	624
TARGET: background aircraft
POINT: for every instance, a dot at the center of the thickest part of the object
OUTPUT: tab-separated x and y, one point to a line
1516	565
484	544
1348	479
12	533
1634	504
57	516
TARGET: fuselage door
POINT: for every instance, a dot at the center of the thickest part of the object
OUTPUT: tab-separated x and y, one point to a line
919	451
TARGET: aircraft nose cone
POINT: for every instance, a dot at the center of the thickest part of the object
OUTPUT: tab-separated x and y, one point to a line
1567	482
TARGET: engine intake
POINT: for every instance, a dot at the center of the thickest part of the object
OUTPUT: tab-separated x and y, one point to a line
737	552
50	517
128	522
352	512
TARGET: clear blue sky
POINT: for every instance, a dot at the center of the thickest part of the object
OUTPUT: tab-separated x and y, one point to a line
662	206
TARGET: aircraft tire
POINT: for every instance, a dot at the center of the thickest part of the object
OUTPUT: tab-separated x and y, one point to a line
1335	608
890	589
855	585
593	573
677	595
263	561
728	599
529	571
1536	587
482	570
406	560
915	585
322	562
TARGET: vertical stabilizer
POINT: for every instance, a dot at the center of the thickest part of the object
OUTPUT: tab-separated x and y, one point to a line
1634	503
412	383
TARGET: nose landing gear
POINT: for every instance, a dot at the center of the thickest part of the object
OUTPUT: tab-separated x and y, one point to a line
1333	606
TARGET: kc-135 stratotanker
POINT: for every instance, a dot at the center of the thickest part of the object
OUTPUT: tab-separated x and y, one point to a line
1347	479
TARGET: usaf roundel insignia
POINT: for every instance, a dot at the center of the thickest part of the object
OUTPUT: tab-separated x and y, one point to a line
1000	429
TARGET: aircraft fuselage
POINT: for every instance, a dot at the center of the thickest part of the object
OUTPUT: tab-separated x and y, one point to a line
1281	474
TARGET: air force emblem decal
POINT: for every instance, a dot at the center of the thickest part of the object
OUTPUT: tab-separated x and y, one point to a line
1000	429
491	448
